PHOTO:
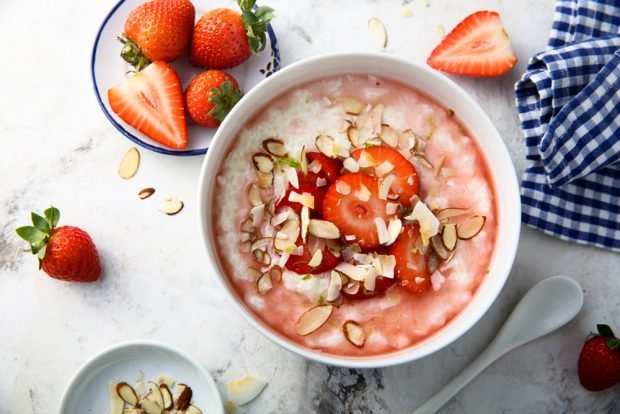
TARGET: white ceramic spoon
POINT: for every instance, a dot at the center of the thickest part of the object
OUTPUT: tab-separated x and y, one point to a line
544	308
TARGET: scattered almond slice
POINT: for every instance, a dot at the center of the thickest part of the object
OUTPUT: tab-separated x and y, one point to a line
391	208
447	213
146	193
382	231
279	218
313	319
385	184
377	29
383	168
127	394
449	236
471	227
366	160
257	213
351	106
351	287
245	389
426	163
261	243
264	284
440	30
171	206
354	333
389	136
388	264
276	273
129	164
315	166
185	397
323	229
275	147
354	272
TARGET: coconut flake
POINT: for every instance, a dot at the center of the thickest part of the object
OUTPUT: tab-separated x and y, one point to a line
366	160
343	188
320	182
429	225
383	168
387	264
257	213
394	227
363	194
391	208
304	199
335	285
351	164
382	231
385	184
352	271
315	166
305	222
317	258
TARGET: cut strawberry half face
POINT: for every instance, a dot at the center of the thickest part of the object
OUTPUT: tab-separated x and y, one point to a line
411	267
352	204
299	264
304	187
478	46
382	284
152	102
389	161
330	167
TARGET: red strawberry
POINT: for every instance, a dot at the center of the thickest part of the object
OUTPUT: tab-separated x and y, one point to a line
406	183
299	264
382	284
65	253
478	46
157	30
330	167
223	38
411	267
304	187
352	212
210	96
152	102
599	361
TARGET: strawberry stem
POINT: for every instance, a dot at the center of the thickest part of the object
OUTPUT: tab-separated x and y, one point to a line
256	22
224	97
132	53
38	235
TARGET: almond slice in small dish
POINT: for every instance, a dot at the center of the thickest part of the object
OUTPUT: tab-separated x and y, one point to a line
127	393
192	409
354	333
116	402
323	229
351	106
313	319
185	397
151	407
471	227
377	29
129	164
245	389
275	147
449	236
146	193
263	162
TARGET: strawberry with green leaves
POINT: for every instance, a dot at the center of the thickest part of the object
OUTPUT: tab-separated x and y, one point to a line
210	96
223	38
599	361
65	253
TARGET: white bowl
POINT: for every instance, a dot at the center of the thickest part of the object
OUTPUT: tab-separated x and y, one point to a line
87	391
443	91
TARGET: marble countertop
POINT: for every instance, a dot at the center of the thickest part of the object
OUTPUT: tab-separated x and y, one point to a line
59	149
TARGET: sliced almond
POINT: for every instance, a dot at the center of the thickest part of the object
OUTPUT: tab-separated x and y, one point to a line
263	284
313	319
366	160
287	236
354	333
261	243
363	194
247	225
335	285
382	231
192	409
439	165
320	182
351	164
389	136
151	407
351	105
343	188
449	237
422	159
377	118
447	213
275	147
316	259
254	195
408	140
429	225
257	213
326	145
303	199
279	218
383	168
138	387
354	272
146	193
171	206
275	273
385	184
351	287
265	180
377	29
303	160
471	227
266	259
394	227
323	229
244	389
263	162
353	135
315	166
127	393
439	247
405	12
116	402
129	164
185	397
258	255
305	222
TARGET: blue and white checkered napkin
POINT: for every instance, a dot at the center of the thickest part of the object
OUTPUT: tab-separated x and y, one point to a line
569	108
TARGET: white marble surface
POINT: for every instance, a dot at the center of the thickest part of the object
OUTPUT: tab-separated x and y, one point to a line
58	148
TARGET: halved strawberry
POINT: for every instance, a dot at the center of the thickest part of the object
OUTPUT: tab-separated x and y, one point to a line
330	167
152	102
304	187
382	284
354	211
411	267
299	264
406	183
478	46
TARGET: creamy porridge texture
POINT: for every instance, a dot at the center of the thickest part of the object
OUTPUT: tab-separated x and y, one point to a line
355	216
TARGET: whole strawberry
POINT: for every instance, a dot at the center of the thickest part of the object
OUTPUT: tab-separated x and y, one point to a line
210	96
157	30
223	38
599	361
64	253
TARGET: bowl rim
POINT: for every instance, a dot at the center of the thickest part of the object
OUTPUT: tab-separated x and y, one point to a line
87	365
406	354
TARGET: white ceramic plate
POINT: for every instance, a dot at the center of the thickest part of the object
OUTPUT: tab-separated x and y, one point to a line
108	69
87	391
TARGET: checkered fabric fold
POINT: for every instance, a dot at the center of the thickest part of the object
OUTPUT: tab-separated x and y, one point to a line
569	107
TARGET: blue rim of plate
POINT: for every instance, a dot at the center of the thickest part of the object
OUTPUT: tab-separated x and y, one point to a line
275	55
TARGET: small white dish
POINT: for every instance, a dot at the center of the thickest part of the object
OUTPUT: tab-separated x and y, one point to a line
87	391
108	69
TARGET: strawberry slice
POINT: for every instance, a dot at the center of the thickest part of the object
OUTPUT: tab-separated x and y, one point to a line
411	267
304	187
330	167
406	183
382	284
152	102
299	264
478	46
354	212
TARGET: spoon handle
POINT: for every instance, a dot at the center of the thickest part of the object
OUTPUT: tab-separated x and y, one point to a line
486	358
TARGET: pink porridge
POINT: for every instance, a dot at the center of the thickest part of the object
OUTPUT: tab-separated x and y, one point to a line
355	216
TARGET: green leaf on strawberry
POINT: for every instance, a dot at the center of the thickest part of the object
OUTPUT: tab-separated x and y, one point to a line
52	215
132	53
612	342
256	22
38	235
224	97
